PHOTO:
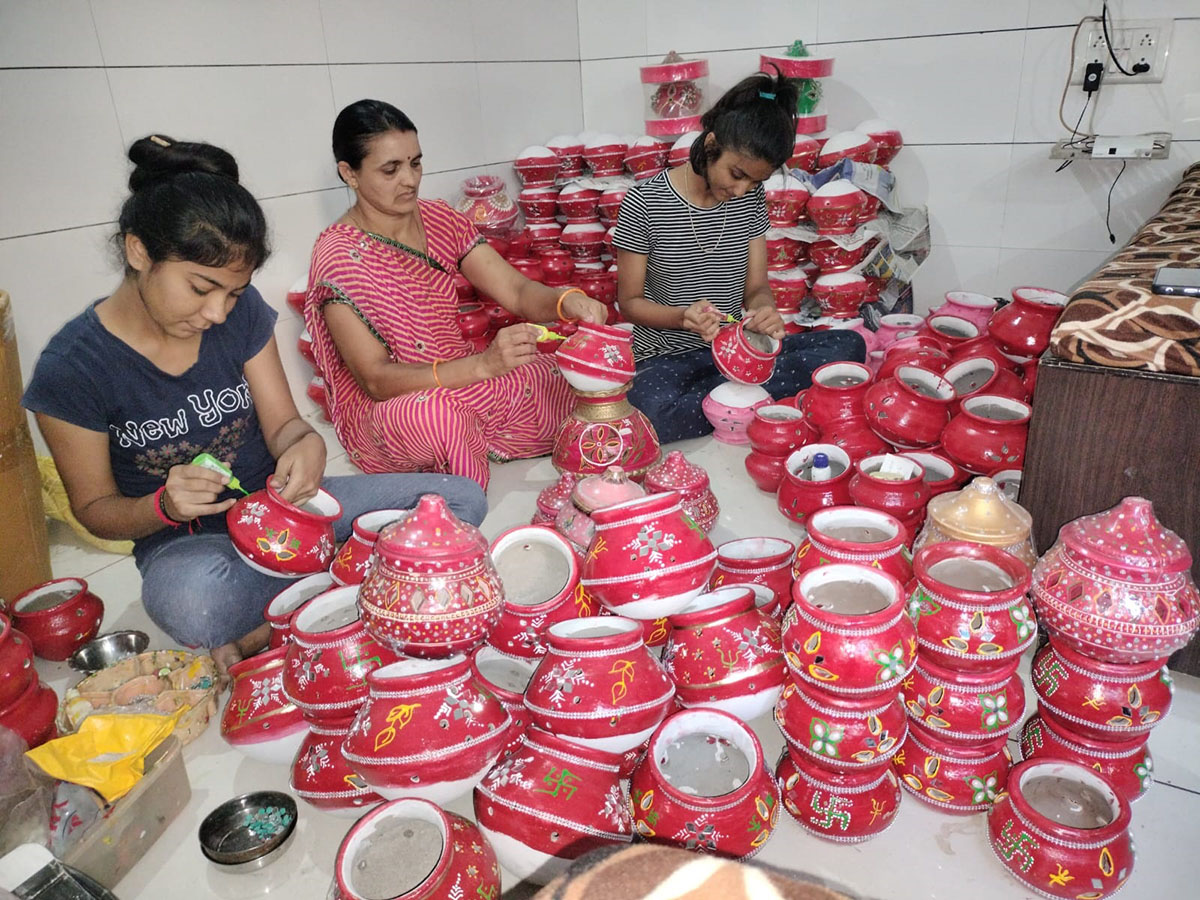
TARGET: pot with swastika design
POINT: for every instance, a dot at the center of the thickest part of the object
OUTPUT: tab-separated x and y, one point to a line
352	559
1126	763
321	776
844	807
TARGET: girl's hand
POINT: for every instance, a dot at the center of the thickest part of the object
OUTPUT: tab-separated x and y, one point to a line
582	307
702	318
192	492
299	469
765	320
513	346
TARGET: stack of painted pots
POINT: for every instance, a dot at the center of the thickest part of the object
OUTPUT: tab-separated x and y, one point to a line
964	697
848	642
27	706
1116	597
775	432
676	473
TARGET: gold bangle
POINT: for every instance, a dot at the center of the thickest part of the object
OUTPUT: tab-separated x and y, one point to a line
437	380
562	317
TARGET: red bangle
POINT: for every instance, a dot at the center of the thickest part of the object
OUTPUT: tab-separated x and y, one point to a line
160	509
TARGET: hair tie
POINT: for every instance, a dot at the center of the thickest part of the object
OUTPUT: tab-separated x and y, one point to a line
162	142
766	95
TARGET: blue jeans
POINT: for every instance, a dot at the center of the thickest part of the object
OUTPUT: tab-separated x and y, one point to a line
670	389
199	591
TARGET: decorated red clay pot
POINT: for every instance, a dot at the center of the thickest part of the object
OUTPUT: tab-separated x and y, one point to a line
988	433
968	707
845	734
557	264
851	145
486	203
933	359
911	409
329	656
960	779
536	166
847	632
1116	586
783	252
831	257
724	653
704	785
654	631
598	685
646	156
506	677
577	202
31	715
840	294
786	198
1127	764
981	375
853	434
597	357
278	538
283	606
729	408
539	572
258	719
543	236
950	331
1104	701
804	154
58	617
970	605
16	662
583	240
304	345
853	534
890	483
888	140
844	807
1060	829
778	430
297	294
605	431
610	487
837	392
598	285
539	204
675	473
432	590
800	496
648	558
424	853
836	207
756	560
322	777
350	564
429	729
1022	328
553	498
610	203
473	320
745	356
569	150
789	288
549	803
605	155
941	474
983	348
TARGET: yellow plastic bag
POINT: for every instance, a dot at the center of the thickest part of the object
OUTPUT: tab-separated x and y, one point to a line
57	506
107	753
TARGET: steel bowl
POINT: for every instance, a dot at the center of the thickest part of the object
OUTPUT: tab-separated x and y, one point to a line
106	650
250	831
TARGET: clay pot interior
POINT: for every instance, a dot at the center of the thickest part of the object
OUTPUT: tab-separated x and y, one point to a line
297	594
847	590
800	462
925	383
996	408
763	343
595	627
533	566
872	465
738	396
970	375
779	413
48	596
936	470
857	526
1040	295
971	299
394	851
508	673
755	547
763	595
971	575
953	327
703	754
375	521
842	375
1069	795
322	504
329	611
716	597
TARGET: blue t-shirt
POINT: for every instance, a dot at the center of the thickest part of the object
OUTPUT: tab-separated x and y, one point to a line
154	420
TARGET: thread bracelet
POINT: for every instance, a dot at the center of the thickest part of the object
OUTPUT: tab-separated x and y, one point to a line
160	509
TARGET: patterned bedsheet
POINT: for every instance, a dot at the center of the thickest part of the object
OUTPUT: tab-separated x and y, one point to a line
1114	320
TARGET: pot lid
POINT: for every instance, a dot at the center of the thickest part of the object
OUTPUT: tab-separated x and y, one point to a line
610	487
556	495
430	531
675	473
980	512
1130	536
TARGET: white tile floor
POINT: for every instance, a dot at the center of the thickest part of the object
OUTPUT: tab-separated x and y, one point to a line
923	855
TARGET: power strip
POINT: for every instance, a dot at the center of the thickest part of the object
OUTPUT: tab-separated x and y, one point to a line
1154	145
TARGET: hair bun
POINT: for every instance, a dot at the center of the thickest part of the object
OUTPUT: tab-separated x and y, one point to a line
159	157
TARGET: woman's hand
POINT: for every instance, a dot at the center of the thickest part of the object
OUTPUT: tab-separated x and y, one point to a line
192	492
299	469
765	320
702	318
513	346
582	307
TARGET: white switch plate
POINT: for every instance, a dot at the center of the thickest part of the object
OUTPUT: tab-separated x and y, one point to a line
1134	41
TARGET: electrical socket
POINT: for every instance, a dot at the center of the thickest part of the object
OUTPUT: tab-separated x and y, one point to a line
1134	41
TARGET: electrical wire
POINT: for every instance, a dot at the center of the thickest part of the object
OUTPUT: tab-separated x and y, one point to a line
1108	41
1071	71
1078	140
1112	238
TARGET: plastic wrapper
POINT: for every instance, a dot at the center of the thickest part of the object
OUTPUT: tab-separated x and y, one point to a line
26	796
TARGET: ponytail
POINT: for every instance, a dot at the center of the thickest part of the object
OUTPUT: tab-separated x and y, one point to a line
757	117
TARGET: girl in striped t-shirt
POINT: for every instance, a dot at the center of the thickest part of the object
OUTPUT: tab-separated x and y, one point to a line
692	249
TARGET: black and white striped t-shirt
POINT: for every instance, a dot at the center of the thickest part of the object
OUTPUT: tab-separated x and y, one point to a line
656	221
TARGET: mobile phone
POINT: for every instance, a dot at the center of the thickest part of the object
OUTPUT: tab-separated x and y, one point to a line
1177	281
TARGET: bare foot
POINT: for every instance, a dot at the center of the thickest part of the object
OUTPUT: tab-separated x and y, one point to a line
225	657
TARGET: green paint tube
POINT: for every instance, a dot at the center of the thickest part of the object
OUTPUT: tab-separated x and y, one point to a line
208	461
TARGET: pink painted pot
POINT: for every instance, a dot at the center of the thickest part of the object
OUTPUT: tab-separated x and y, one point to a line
278	538
729	408
610	487
428	729
841	734
786	199
837	392
888	140
840	294
353	558
680	794
258	719
847	808
988	433
902	498
539	572
960	779
549	803
58	617
911	409
598	285
31	715
971	630
965	707
893	325
979	375
837	208
283	606
322	777
597	358
16	662
1117	587
852	534
799	496
326	664
690	481
1126	764
724	653
432	590
763	561
304	345
1098	700
1022	329
974	308
598	685
846	631
1055	859
506	677
464	862
853	434
553	498
745	356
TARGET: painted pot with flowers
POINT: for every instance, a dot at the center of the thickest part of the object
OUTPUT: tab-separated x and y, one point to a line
854	534
756	560
258	719
960	779
1126	763
843	734
278	538
963	706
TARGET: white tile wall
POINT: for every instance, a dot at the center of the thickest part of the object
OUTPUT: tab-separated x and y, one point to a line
882	19
1064	12
612	95
692	26
954	268
543	30
527	103
611	28
964	187
1058	270
48	33
295	221
384	31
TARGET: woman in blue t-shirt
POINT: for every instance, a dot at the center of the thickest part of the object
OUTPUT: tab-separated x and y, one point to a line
691	250
180	360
